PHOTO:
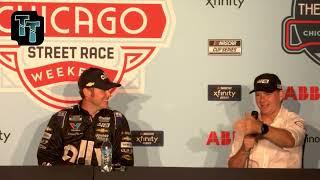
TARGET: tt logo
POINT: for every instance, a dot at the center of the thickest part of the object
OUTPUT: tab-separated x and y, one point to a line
27	28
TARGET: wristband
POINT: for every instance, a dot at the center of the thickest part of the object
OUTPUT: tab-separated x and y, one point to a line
264	129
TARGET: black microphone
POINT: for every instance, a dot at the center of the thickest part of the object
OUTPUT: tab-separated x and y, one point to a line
255	114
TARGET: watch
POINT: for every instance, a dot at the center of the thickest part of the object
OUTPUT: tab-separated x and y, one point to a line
264	129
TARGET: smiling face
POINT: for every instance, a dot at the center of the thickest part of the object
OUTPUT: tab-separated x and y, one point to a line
96	99
269	103
99	98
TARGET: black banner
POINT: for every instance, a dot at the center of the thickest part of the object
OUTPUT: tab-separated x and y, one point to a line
147	138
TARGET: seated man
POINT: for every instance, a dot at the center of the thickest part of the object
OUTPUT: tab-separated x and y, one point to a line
74	135
275	138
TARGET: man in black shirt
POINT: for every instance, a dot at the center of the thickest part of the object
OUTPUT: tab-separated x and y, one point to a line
74	135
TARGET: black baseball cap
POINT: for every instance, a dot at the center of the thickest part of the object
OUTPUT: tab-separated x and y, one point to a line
267	82
95	77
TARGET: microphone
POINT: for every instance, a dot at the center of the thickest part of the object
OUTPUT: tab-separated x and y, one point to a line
255	114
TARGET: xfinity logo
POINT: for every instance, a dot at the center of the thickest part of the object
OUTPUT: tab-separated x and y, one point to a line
215	3
143	139
220	93
224	92
147	138
4	136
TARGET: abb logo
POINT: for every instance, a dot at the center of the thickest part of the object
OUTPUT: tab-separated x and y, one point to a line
220	138
302	93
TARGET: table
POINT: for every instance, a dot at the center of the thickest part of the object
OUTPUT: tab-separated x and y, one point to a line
153	173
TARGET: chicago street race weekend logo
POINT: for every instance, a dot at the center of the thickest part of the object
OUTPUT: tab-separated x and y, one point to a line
301	30
120	37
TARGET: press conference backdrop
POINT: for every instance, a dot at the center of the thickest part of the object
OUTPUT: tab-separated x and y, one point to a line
186	68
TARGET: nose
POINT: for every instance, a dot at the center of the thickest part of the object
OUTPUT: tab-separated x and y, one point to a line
108	93
262	97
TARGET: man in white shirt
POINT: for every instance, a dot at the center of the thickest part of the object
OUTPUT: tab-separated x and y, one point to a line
275	138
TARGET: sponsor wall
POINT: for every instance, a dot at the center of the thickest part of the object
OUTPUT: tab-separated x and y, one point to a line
186	68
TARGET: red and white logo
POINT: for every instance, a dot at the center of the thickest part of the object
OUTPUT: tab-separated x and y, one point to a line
120	37
302	93
220	138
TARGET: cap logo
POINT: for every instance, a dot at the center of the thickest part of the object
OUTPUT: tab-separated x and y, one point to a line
103	76
89	84
263	81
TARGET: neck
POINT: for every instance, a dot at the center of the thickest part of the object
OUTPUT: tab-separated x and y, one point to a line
86	105
269	118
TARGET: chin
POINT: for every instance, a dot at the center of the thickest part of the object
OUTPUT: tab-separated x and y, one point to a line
264	109
105	105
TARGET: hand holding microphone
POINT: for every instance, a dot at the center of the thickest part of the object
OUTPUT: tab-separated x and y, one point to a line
250	124
250	139
246	125
246	128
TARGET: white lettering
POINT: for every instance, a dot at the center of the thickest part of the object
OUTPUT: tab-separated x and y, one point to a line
70	71
309	9
37	77
49	74
144	20
311	33
78	22
112	30
53	20
60	72
74	151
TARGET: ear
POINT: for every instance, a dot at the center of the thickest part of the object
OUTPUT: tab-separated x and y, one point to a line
282	95
87	92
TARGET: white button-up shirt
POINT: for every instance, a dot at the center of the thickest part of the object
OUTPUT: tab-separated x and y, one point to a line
265	154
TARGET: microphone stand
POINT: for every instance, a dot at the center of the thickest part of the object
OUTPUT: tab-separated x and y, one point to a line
248	158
